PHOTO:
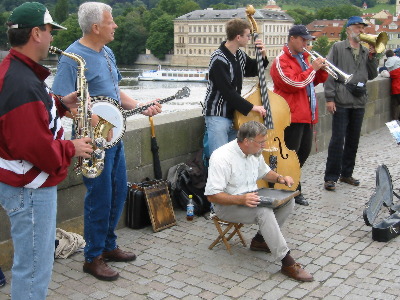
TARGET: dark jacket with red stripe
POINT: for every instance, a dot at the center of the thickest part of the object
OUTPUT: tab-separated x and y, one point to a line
33	153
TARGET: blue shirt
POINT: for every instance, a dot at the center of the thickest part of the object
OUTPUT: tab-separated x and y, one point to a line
101	72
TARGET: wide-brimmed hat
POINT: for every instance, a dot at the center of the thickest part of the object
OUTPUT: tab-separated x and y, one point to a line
300	30
354	20
31	14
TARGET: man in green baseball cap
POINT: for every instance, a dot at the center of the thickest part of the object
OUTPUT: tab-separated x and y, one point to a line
34	157
31	14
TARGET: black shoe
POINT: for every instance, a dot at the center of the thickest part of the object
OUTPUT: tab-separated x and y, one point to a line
301	200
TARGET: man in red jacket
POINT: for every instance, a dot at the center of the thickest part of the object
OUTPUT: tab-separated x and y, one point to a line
393	66
294	79
34	157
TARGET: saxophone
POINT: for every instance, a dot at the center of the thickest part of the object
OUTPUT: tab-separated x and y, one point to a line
88	167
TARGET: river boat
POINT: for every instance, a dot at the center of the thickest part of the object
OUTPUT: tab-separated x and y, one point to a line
174	75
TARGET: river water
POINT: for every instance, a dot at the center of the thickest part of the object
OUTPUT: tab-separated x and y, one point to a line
145	91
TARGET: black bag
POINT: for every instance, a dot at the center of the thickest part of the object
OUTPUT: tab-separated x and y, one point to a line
137	212
389	227
355	90
184	188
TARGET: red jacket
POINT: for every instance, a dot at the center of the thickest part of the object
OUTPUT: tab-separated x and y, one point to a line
33	152
290	81
395	77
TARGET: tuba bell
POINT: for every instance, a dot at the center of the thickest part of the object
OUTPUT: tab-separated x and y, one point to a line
379	41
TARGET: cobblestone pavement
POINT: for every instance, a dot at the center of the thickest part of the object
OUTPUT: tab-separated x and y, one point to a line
328	237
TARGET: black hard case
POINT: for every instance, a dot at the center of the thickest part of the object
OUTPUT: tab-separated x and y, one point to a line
389	227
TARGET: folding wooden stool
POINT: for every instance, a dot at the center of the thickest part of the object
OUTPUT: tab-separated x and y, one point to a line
222	233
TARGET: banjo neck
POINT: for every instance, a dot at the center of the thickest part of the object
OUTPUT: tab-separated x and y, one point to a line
184	92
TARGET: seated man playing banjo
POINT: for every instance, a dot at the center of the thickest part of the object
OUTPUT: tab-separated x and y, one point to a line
233	172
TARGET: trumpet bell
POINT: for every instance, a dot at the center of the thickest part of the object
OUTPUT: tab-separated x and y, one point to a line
379	41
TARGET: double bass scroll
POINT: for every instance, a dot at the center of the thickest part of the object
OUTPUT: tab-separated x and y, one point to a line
276	154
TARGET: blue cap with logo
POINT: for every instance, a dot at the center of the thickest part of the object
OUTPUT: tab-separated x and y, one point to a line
355	20
300	30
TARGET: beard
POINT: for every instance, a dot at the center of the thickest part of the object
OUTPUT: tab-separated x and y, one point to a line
354	36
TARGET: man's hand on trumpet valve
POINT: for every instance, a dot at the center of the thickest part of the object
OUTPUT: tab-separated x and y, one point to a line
319	63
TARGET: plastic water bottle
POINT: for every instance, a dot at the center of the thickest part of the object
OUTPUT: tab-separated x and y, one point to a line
2	279
190	209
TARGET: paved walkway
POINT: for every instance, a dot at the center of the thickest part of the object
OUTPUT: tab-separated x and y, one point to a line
328	237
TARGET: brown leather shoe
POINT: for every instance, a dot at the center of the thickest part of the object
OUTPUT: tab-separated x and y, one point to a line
259	246
329	185
297	272
118	255
350	180
99	269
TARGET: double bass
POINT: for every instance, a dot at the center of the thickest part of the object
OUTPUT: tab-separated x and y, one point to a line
276	154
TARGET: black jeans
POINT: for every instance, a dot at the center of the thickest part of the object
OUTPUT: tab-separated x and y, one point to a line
342	151
298	137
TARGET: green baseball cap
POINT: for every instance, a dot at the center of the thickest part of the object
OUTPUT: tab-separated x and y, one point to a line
31	14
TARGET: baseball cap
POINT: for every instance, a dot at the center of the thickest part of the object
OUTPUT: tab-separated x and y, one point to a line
300	30
31	14
355	20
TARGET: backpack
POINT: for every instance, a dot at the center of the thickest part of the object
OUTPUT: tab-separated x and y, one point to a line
189	179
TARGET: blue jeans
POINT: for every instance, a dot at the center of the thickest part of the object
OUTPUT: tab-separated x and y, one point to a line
342	151
32	214
220	131
104	202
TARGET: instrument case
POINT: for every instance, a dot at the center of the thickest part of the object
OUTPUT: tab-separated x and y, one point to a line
389	227
137	212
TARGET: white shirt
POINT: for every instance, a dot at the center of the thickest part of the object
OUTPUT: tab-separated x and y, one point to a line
392	63
233	172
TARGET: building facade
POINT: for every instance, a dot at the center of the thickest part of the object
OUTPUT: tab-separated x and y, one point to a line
199	33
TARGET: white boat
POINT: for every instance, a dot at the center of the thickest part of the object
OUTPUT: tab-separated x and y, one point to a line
174	75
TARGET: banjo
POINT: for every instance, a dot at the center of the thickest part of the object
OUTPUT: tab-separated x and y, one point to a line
108	109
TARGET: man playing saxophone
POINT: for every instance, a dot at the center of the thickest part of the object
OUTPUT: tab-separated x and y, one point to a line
106	194
34	157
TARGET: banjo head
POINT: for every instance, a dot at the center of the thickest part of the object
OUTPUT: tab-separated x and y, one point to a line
109	110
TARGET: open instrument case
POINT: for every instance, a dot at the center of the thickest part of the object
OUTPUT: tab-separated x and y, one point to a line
387	228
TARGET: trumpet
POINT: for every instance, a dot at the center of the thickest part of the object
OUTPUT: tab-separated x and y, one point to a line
331	68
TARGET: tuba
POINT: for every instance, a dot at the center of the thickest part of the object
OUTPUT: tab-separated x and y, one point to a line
378	41
88	167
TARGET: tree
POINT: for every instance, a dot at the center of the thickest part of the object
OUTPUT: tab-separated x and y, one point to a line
301	16
130	38
63	38
161	39
3	31
221	6
177	8
322	46
337	12
61	11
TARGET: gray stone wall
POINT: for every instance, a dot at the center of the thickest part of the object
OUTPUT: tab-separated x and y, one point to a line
179	135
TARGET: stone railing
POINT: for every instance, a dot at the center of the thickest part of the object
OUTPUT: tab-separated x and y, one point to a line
178	136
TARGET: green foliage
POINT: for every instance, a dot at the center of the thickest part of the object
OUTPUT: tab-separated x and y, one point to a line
177	8
63	38
3	31
301	16
343	34
130	38
322	46
221	6
337	12
61	11
161	39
